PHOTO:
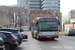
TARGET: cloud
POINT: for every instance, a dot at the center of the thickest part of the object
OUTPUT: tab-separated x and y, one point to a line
8	2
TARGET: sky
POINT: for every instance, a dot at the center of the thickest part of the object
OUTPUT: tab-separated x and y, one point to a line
65	5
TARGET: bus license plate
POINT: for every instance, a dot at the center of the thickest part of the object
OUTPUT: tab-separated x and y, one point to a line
48	36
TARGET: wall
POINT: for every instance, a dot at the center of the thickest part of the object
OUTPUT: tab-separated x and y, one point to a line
4	19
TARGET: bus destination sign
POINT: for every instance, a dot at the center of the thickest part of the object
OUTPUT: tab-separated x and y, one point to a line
45	20
48	19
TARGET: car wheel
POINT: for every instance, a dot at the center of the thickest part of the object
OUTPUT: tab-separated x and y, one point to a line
7	47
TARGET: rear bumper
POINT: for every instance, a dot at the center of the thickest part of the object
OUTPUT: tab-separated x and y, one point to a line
49	36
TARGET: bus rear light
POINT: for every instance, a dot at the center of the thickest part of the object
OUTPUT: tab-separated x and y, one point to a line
56	33
40	33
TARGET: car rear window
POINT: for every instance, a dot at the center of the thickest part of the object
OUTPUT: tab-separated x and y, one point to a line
13	35
10	30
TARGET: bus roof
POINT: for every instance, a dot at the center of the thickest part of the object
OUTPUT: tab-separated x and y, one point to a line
53	19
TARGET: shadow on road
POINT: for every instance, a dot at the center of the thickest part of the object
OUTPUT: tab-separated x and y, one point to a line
20	48
24	40
47	39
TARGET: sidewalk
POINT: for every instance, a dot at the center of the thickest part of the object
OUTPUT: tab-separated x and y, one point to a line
60	33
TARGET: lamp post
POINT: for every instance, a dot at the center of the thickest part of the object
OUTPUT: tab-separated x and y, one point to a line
14	20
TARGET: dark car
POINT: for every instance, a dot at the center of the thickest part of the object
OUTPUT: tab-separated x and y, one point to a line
70	32
21	30
24	36
10	41
1	44
15	32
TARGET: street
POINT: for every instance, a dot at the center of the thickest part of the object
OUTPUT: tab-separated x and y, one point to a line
61	43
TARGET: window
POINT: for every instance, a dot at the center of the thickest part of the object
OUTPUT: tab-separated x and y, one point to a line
51	6
15	12
51	0
34	2
2	35
34	5
23	12
26	17
51	3
36	17
26	21
36	11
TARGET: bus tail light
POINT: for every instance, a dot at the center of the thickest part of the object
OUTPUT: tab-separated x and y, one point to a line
40	33
56	33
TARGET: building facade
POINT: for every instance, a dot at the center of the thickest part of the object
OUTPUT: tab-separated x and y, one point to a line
21	13
23	3
39	4
35	4
50	4
4	19
72	16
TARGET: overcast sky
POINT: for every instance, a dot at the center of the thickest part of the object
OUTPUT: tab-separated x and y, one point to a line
65	5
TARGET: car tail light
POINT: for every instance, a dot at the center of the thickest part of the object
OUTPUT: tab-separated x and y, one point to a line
18	35
14	39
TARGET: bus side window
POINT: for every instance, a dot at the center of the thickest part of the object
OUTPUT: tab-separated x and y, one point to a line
32	28
35	26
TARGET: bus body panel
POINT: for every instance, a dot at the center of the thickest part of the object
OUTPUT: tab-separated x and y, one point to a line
49	33
48	36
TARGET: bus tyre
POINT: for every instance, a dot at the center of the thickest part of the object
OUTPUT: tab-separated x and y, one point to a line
37	37
32	35
52	38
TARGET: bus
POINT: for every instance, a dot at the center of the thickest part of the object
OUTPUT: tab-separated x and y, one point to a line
44	28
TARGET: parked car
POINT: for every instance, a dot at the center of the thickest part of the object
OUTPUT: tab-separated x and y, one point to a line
1	44
21	30
10	41
24	36
70	32
15	32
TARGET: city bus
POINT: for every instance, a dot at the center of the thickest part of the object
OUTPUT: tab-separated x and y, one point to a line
44	28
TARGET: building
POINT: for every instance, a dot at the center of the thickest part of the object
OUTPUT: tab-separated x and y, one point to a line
23	3
72	16
55	13
38	13
39	4
50	4
21	13
29	4
4	19
35	4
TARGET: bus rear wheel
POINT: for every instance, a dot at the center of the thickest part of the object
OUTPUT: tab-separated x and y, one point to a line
32	35
52	38
37	37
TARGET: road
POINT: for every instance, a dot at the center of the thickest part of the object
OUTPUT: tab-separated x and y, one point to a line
62	43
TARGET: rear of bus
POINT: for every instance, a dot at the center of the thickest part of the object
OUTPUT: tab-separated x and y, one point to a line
48	28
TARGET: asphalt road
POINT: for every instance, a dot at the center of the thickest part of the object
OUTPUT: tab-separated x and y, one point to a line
61	43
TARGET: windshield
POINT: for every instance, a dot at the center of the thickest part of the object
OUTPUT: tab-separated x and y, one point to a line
48	26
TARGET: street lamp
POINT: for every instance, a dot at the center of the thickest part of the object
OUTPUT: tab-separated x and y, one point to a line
14	20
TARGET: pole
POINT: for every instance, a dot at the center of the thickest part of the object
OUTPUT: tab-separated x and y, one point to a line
17	19
14	20
62	25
